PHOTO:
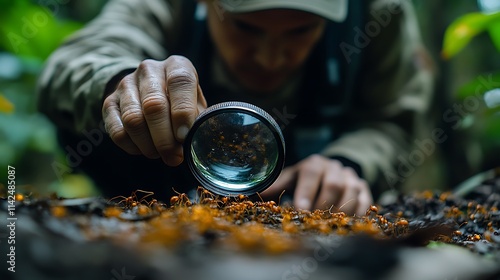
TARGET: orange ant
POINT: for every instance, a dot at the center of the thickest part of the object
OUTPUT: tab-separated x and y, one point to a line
181	199
372	209
271	204
212	203
204	193
402	223
132	200
241	197
208	198
129	201
156	205
19	197
401	227
224	201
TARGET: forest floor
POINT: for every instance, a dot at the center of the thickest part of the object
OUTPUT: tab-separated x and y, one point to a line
428	235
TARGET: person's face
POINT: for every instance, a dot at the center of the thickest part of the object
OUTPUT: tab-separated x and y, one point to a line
264	49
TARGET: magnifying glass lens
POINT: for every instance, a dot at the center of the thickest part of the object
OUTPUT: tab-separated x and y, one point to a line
235	150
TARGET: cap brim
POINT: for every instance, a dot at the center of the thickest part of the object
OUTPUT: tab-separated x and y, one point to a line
335	10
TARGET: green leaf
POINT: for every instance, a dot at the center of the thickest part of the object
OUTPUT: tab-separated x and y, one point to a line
479	85
494	31
463	29
31	30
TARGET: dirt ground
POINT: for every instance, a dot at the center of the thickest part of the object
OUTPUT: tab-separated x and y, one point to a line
422	236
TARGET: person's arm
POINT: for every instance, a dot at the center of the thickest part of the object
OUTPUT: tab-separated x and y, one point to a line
88	65
390	112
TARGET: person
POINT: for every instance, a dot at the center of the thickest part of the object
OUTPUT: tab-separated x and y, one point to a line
349	83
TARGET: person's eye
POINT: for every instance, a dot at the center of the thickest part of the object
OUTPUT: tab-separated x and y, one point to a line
247	28
302	30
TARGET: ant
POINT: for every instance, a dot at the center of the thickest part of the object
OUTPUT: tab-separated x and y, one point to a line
272	205
156	205
208	198
372	209
132	200
180	199
204	193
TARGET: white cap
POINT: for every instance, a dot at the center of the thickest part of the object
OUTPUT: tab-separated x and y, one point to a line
335	10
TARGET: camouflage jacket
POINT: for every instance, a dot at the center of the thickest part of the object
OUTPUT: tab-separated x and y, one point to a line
389	96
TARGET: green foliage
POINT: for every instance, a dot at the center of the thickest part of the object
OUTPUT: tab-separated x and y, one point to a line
494	31
463	29
486	120
31	30
479	85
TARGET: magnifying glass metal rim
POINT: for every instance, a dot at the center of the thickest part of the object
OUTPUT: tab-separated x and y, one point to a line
236	107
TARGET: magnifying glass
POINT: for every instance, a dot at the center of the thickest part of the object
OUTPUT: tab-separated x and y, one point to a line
235	148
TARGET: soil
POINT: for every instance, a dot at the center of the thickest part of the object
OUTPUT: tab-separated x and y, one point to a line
139	237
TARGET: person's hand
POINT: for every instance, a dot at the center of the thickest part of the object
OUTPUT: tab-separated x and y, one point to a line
153	108
323	183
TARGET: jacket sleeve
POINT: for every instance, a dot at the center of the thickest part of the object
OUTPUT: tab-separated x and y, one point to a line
72	85
394	96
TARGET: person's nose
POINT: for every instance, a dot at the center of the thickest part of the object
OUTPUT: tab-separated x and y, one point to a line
270	54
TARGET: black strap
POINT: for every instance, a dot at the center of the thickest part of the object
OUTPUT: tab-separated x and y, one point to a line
334	81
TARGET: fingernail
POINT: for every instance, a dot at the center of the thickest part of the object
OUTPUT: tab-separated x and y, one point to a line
182	132
303	204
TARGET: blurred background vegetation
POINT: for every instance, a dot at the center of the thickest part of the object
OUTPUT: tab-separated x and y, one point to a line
31	30
468	70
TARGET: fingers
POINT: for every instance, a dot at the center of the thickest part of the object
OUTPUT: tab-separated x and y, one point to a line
345	191
348	192
309	181
183	93
365	199
202	102
333	186
357	197
114	126
152	109
133	118
156	113
323	183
